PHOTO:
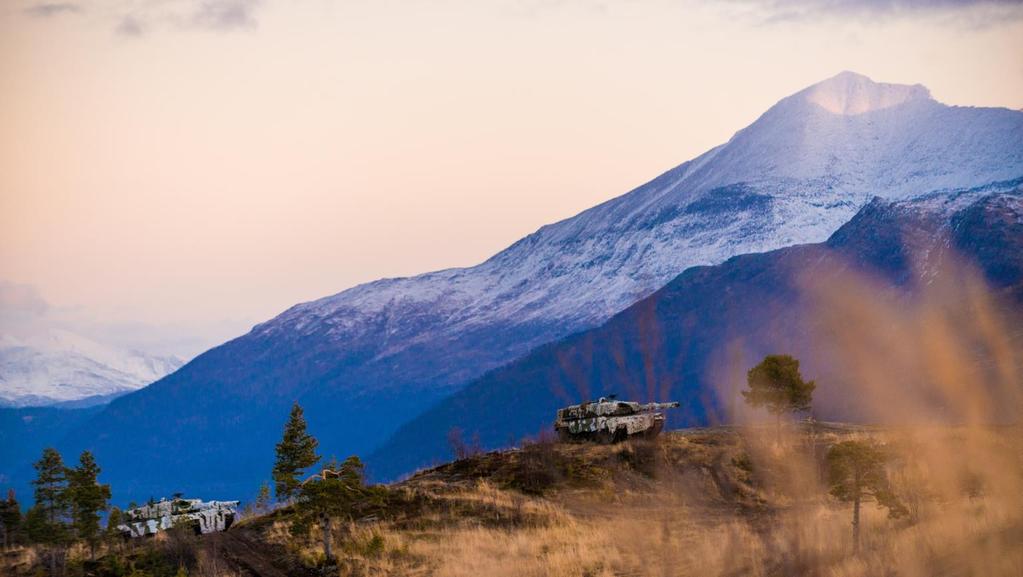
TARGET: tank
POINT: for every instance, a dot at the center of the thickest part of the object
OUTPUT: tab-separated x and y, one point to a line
201	516
609	420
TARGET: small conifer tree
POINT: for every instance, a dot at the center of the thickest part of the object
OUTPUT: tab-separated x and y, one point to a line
262	504
338	491
114	518
51	486
36	526
10	520
856	472
88	499
295	453
775	383
47	522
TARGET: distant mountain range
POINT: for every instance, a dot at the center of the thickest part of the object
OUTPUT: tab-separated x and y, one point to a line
677	343
369	359
60	367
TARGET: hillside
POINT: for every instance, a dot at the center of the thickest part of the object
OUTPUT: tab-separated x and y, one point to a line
25	432
370	358
692	340
719	501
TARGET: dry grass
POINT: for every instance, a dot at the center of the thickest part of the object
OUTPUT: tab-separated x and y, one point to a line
734	501
718	504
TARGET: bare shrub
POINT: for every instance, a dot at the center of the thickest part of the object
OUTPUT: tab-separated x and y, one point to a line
461	449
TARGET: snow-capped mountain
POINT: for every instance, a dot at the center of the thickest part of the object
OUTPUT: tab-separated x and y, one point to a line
366	360
59	366
794	176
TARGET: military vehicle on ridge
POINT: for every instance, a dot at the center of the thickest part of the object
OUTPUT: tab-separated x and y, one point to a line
200	516
609	420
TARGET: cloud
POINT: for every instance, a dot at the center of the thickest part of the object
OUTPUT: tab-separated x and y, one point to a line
131	26
976	12
135	18
225	14
25	317
49	9
21	300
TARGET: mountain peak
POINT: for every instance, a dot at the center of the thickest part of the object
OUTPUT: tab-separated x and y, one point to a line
849	93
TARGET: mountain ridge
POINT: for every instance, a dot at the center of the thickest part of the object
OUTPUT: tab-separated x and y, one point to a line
667	345
367	359
610	215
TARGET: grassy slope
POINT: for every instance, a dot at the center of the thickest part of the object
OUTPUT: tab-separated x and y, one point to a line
720	501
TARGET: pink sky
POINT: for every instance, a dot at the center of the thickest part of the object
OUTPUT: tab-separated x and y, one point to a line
165	165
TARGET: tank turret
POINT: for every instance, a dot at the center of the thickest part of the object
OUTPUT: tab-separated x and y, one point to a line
609	420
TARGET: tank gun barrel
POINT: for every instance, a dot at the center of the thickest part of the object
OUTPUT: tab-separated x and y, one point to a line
658	406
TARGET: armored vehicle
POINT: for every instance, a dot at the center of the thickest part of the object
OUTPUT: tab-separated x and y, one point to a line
201	516
609	420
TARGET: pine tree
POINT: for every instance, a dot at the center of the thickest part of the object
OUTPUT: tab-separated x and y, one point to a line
262	504
51	496
295	453
775	383
856	472
114	518
88	499
10	520
36	526
338	491
47	520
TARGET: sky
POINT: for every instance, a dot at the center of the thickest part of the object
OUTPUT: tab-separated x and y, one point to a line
174	171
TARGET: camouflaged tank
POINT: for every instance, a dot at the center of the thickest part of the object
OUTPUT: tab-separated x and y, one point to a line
609	420
201	516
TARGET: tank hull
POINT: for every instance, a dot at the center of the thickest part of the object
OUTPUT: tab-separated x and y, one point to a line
200	516
610	429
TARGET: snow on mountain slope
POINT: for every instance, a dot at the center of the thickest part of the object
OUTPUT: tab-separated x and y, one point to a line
681	342
59	366
794	176
366	360
850	93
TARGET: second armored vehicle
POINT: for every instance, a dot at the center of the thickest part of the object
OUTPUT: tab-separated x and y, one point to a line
609	420
201	516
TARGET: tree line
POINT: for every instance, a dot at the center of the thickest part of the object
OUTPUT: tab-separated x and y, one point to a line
69	506
70	502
